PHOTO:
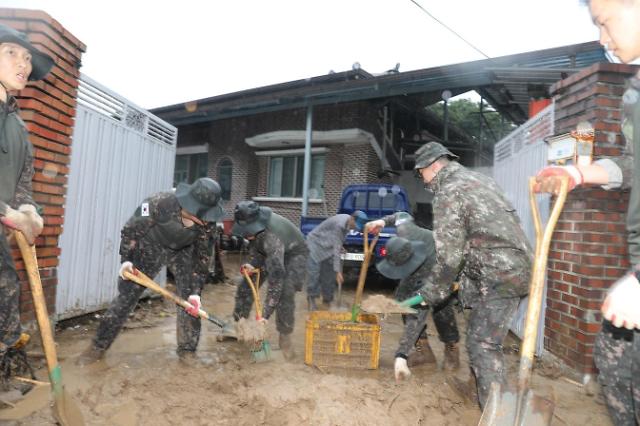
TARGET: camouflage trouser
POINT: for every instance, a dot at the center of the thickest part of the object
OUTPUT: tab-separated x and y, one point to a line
617	356
487	326
322	279
415	327
293	281
9	295
187	283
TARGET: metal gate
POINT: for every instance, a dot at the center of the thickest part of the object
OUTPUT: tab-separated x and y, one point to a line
120	155
517	157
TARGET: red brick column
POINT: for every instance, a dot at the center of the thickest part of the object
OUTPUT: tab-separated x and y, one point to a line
48	108
589	251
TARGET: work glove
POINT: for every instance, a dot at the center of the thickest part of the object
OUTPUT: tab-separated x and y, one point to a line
622	304
248	268
195	305
375	226
401	369
547	178
26	220
126	266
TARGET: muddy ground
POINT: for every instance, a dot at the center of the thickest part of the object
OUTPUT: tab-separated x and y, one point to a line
141	381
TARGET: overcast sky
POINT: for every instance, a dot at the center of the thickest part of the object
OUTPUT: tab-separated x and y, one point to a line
158	53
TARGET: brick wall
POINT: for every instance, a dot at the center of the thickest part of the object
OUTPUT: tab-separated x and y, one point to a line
589	251
48	109
343	164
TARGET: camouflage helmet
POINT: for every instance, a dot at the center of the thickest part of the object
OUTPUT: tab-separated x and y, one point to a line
430	152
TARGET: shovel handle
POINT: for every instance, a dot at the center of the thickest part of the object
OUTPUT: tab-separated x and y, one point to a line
256	295
368	251
536	287
143	280
28	253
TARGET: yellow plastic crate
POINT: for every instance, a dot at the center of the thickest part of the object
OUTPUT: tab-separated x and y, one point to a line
332	340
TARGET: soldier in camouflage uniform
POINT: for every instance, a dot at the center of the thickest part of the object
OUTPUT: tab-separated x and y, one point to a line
19	62
480	240
617	346
278	246
410	258
171	229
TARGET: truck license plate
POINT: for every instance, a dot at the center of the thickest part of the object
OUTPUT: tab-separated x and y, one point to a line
352	256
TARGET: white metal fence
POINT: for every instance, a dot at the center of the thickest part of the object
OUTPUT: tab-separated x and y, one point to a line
120	155
517	157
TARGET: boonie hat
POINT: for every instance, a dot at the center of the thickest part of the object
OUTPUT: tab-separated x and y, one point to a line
201	199
250	218
41	63
403	257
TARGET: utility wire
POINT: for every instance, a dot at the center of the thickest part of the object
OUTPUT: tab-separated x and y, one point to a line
451	30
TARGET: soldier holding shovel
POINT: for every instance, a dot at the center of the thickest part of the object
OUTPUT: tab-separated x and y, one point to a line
277	245
20	63
171	229
617	346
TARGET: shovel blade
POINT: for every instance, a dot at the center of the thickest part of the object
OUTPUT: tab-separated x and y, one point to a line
66	411
501	408
263	353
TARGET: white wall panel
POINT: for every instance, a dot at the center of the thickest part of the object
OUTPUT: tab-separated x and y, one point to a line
517	157
120	154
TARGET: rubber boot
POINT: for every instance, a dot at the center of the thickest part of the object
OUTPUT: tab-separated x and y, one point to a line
188	358
89	356
286	346
451	357
467	390
311	304
422	354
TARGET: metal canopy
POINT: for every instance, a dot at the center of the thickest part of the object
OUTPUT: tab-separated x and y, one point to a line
508	83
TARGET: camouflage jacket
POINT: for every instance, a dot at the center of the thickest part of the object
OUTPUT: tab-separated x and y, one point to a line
272	249
478	236
628	163
157	224
16	157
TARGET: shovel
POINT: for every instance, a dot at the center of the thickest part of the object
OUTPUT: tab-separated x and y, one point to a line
364	268
262	351
524	407
65	410
140	278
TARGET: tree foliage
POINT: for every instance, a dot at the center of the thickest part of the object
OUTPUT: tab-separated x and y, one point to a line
465	114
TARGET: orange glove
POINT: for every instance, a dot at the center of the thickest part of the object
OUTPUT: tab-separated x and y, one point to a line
547	178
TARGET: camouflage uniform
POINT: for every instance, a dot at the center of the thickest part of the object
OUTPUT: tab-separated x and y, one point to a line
617	351
16	166
155	236
281	250
415	325
478	238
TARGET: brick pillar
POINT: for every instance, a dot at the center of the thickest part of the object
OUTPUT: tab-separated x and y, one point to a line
589	250
48	108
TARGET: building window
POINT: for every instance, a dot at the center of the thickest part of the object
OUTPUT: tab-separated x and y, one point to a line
225	171
190	167
286	175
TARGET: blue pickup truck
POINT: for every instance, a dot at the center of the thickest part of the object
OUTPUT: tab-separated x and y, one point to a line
377	201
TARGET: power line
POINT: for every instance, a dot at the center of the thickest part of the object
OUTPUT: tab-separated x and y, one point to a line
451	30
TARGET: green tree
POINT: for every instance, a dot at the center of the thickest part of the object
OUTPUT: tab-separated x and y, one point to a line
465	114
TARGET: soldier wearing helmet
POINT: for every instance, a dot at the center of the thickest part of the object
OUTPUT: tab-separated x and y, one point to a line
479	238
170	229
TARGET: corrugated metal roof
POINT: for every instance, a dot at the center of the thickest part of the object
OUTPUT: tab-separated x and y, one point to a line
508	83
